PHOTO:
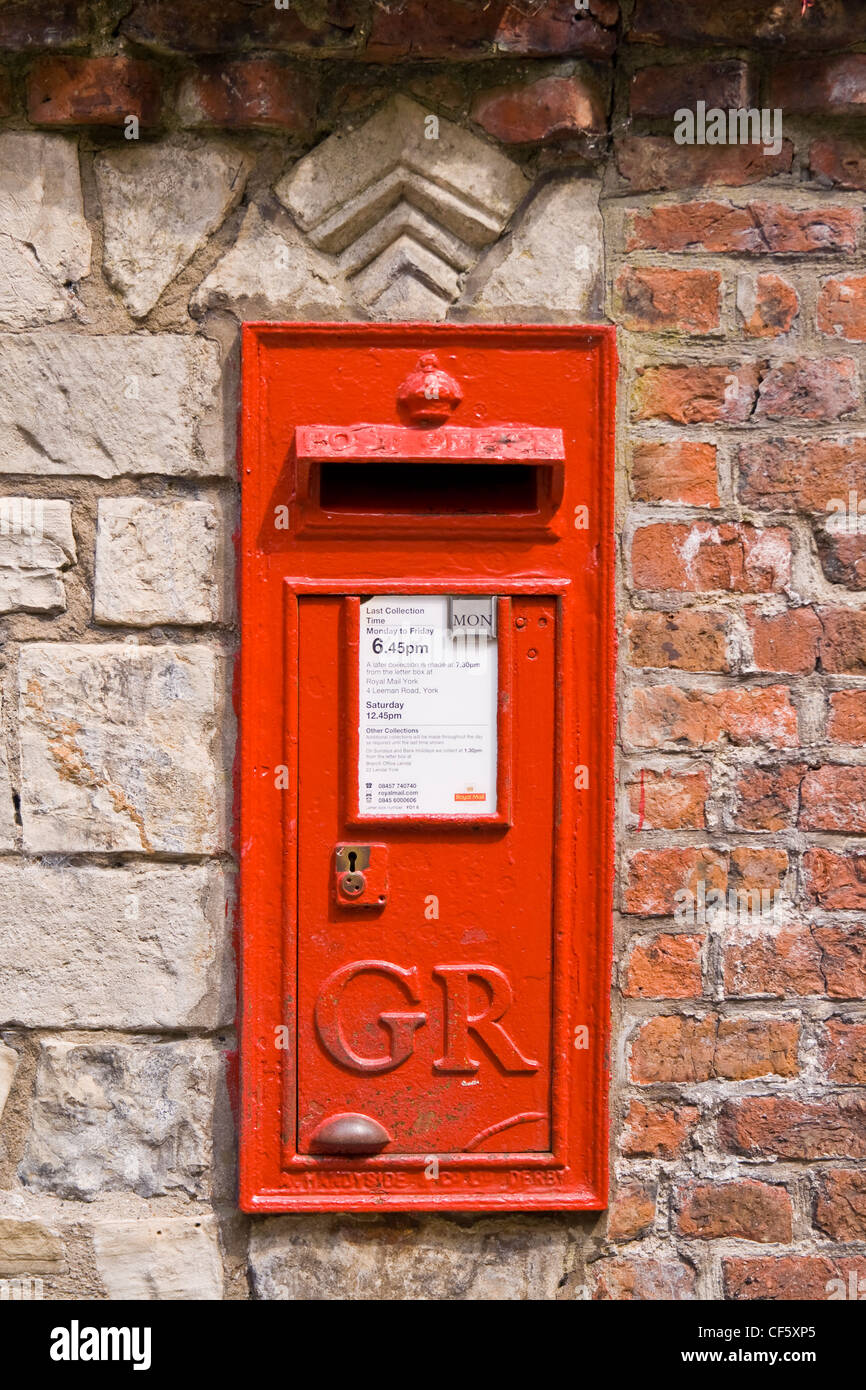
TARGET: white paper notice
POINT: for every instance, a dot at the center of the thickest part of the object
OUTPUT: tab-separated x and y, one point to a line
427	712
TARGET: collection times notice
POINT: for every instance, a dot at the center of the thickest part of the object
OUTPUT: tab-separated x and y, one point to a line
427	704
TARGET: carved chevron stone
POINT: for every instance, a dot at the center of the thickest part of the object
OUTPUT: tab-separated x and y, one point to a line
405	205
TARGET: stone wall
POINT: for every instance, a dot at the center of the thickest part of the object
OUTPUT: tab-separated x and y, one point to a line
169	170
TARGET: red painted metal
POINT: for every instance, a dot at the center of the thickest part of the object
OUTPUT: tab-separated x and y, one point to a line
392	1058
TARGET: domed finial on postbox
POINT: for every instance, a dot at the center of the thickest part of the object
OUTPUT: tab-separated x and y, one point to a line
429	394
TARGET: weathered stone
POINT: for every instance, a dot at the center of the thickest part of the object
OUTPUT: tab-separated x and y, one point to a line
159	1258
8	1064
407	197
7	814
140	947
160	203
119	748
45	241
274	274
110	405
28	1247
120	1117
36	543
341	1258
552	266
41	204
156	562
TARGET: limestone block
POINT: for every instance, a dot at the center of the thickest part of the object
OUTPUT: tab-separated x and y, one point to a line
157	562
36	543
28	1247
160	203
171	1258
411	191
135	947
111	405
7	814
552	266
121	1117
8	1065
274	274
120	748
45	241
342	1259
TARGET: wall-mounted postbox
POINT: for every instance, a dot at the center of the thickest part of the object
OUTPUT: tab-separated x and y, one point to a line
426	766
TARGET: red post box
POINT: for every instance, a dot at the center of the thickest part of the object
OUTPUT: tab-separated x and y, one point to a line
426	708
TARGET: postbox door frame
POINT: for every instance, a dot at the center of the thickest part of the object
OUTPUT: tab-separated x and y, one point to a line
274	1178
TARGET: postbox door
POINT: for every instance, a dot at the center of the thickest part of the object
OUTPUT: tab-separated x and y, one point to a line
427	1013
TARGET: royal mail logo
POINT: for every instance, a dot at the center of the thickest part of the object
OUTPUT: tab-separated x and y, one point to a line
470	794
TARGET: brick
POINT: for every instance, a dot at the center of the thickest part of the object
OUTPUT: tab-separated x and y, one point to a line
805	1278
93	91
843	956
767	797
834	85
200	26
773	966
655	162
664	967
37	545
704	558
632	1211
843	556
692	394
456	30
662	90
818	388
781	1127
676	1049
253	94
834	798
839	162
767	306
846	720
655	300
843	1051
644	1280
666	716
842	306
547	109
691	640
682	470
834	881
655	878
746	1210
50	24
786	641
161	936
842	648
658	1131
747	23
840	1208
668	800
754	866
800	474
157	1258
757	229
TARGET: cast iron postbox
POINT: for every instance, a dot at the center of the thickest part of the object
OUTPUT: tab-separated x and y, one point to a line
426	766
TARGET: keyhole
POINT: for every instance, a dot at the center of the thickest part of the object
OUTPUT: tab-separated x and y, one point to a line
352	856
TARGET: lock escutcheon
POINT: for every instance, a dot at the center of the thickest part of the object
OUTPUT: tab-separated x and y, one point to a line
360	875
